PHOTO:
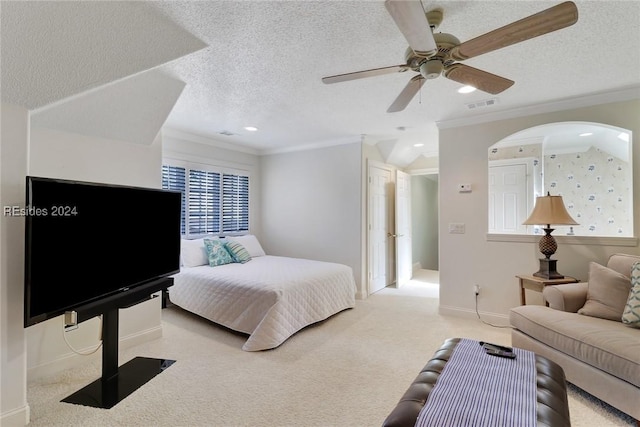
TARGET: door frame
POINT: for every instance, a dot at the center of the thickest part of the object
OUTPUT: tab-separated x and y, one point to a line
390	256
430	171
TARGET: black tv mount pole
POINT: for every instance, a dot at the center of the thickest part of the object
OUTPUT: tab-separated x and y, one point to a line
118	382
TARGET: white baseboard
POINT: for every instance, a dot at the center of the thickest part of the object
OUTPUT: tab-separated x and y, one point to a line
18	417
493	318
70	360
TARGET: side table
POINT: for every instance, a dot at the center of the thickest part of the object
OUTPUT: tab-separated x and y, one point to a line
537	284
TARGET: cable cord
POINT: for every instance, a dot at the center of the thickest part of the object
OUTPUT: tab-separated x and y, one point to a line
487	323
88	353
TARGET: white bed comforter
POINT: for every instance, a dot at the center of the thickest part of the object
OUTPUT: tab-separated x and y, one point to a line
270	297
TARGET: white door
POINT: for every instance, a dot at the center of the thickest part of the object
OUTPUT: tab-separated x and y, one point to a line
404	261
508	199
379	223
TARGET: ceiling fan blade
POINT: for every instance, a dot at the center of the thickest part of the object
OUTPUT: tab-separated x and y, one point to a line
552	19
407	94
479	79
410	18
366	73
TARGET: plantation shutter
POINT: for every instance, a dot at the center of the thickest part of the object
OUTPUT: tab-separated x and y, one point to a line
212	202
204	202
174	178
235	203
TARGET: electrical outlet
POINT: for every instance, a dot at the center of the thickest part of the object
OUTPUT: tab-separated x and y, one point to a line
70	318
476	289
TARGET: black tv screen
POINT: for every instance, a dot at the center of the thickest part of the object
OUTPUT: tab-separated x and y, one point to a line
87	241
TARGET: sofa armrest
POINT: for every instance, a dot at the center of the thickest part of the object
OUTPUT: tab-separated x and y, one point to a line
568	297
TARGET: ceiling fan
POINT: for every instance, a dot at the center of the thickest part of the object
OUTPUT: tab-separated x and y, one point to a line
432	54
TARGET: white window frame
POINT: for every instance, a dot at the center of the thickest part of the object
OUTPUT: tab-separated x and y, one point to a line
222	171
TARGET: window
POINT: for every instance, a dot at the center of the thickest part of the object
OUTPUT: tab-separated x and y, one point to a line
235	203
212	201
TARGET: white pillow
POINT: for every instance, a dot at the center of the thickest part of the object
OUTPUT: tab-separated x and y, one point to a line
250	243
193	253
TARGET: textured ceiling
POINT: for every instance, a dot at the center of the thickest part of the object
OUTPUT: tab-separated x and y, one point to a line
55	50
264	60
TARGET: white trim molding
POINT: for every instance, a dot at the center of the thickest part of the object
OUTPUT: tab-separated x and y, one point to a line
624	94
566	240
496	319
17	417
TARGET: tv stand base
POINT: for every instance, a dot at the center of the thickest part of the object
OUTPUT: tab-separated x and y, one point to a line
118	382
106	393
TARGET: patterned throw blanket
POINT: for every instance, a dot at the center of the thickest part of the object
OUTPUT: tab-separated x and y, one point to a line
478	390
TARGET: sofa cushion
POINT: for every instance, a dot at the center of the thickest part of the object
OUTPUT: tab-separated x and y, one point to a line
607	293
631	314
622	263
607	345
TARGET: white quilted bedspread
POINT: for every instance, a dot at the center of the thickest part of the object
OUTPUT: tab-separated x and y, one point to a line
270	297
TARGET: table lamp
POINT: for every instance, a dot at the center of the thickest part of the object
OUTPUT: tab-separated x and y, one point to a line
547	211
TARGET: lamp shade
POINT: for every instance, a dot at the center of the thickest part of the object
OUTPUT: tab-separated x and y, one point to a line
549	210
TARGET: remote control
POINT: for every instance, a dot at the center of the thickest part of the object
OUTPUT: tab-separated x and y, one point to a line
495	347
500	353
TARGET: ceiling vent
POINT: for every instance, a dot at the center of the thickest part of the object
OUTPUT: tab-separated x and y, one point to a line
481	104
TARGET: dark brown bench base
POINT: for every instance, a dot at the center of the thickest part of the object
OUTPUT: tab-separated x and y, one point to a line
552	410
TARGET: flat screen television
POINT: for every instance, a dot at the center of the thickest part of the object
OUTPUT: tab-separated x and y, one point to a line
88	241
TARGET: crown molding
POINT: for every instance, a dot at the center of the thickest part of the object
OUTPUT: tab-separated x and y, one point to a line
206	140
624	94
313	146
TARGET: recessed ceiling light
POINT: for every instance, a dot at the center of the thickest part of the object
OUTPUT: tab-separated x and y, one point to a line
466	89
418	145
586	134
251	128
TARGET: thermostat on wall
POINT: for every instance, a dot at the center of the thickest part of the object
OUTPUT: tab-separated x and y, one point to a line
464	188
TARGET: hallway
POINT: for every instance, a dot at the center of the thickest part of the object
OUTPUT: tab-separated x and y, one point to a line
424	283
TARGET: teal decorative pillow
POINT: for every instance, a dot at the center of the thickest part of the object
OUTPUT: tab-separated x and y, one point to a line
217	253
238	252
631	314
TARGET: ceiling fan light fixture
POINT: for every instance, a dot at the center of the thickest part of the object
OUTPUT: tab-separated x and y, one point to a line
431	69
466	89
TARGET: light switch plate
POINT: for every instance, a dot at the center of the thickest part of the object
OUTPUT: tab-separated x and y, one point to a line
456	228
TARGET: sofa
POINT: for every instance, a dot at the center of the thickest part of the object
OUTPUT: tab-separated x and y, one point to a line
600	355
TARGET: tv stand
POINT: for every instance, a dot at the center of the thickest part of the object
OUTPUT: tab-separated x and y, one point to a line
118	382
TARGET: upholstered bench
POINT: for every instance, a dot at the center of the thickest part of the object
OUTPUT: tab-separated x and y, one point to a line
551	391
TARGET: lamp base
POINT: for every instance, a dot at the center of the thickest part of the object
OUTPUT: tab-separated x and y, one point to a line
548	269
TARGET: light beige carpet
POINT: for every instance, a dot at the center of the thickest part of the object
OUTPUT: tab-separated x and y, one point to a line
349	370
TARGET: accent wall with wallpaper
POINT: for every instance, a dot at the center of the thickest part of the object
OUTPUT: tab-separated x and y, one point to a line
595	188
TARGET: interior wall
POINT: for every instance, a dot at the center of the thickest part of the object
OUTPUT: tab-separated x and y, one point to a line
57	154
311	205
14	127
469	258
424	221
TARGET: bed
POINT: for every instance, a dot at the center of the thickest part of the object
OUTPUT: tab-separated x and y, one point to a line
267	297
